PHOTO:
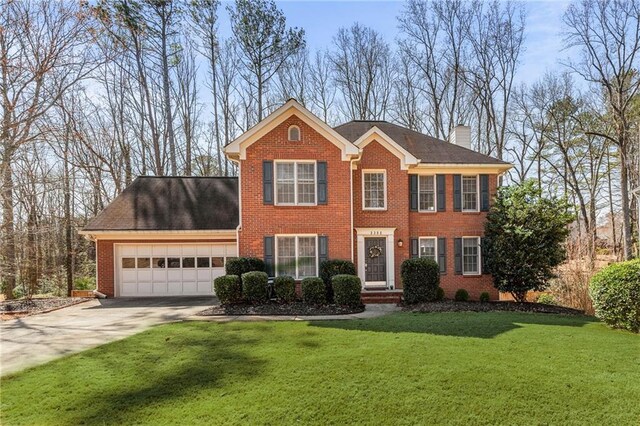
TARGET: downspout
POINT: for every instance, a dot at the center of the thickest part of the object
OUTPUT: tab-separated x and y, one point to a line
351	163
239	227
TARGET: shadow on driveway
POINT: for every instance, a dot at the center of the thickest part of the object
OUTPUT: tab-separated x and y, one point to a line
157	302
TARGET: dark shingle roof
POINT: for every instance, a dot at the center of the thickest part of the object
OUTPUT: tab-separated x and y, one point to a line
426	148
172	203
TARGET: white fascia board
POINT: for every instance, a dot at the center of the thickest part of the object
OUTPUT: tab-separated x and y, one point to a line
160	234
238	147
406	158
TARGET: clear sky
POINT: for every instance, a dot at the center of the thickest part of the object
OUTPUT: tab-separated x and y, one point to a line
322	19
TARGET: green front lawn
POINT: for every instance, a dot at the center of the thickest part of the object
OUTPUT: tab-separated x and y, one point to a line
405	368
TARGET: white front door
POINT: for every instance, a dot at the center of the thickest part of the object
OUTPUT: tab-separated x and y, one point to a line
169	269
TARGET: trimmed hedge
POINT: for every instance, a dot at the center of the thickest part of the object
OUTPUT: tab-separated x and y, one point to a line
440	293
462	295
333	267
346	290
615	292
254	287
314	291
241	265
228	289
285	288
484	297
420	280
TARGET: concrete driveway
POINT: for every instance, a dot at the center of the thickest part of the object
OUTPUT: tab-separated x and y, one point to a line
29	341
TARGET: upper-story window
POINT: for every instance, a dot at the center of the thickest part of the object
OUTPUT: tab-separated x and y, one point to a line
294	133
374	190
296	182
469	193
427	193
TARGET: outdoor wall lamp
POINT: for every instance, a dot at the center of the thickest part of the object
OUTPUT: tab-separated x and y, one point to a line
400	242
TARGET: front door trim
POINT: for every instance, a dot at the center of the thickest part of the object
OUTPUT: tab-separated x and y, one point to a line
387	233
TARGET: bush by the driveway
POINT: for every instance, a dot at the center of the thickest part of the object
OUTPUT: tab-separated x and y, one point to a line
228	289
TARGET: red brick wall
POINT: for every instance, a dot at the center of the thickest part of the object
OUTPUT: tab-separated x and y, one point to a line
450	224
258	219
106	265
376	156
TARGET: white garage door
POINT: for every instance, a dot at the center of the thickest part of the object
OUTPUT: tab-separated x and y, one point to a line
170	269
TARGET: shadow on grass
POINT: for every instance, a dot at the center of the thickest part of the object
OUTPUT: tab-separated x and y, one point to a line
459	324
167	367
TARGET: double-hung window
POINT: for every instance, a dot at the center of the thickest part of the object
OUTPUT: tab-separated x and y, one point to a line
469	193
297	256
295	183
427	193
429	248
374	190
471	256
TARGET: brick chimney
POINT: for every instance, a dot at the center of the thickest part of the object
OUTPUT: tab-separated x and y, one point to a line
461	136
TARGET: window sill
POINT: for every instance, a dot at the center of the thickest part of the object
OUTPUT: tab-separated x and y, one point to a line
471	275
374	209
428	211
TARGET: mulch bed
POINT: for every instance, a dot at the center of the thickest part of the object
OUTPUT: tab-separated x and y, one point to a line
272	308
22	307
453	306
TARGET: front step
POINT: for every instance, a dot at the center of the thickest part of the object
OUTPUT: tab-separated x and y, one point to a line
381	296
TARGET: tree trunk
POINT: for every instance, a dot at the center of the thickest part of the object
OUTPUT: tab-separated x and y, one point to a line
9	242
627	246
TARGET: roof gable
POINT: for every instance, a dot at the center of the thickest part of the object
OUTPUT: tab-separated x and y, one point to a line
375	134
430	151
238	148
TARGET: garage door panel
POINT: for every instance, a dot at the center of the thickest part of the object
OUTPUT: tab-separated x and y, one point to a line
129	289
145	289
144	276
203	250
204	274
205	287
159	250
129	275
159	288
143	269
174	287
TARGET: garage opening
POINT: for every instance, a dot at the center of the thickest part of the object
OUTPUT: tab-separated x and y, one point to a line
170	269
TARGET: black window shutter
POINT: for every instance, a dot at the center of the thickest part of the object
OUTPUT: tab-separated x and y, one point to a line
457	248
269	261
413	193
267	182
483	255
442	192
457	193
322	182
484	193
442	255
323	248
414	247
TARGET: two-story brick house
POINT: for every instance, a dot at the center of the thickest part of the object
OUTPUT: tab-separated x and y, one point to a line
369	191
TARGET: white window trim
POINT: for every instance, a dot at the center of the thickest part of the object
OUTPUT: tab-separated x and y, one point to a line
435	195
477	209
472	274
289	133
296	236
295	181
435	245
384	178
